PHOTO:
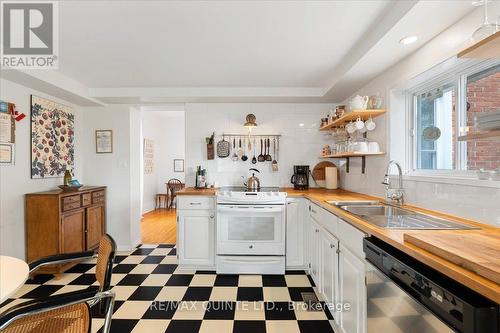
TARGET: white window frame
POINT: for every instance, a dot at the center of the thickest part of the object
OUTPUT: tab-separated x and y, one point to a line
456	74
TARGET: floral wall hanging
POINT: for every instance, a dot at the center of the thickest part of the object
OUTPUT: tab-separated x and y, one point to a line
52	138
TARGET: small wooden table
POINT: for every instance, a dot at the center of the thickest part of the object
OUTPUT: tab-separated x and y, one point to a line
13	273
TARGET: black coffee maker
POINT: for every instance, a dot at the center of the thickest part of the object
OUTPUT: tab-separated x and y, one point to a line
300	178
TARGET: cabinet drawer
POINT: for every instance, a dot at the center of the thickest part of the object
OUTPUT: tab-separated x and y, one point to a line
71	206
352	238
86	199
70	199
327	220
96	200
97	194
195	202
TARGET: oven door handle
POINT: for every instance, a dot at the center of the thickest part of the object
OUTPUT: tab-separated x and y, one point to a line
250	209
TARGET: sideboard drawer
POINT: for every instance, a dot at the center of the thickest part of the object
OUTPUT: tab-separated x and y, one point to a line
195	202
71	199
70	206
97	194
86	199
96	200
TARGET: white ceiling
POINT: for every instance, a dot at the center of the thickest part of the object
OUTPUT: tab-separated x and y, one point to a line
153	52
209	43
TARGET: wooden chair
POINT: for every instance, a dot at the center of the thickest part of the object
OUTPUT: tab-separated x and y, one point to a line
69	312
161	200
173	185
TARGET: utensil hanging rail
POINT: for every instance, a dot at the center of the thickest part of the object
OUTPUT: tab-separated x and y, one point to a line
250	135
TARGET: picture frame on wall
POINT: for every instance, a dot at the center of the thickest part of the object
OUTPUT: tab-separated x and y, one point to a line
7	153
52	138
178	165
103	141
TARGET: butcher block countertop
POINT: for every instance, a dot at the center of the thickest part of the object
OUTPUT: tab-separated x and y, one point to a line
483	286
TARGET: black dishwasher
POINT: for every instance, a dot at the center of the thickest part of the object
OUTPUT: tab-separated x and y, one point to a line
404	295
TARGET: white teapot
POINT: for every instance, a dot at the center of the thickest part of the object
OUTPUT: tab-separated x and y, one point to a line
359	102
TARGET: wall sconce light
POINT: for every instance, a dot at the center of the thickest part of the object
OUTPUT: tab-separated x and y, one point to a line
250	122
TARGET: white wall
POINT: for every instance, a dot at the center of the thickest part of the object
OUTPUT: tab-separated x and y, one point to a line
474	202
167	130
111	170
298	145
15	180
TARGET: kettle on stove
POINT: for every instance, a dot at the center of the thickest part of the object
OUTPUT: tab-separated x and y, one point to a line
252	183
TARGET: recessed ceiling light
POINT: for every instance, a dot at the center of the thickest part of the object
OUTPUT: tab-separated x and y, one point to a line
301	124
408	40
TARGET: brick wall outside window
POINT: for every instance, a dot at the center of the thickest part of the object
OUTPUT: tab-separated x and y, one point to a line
483	95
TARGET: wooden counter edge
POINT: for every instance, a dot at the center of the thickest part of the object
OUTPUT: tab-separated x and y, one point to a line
481	285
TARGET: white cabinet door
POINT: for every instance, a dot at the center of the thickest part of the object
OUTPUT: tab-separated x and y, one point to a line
315	254
329	269
352	291
196	238
294	233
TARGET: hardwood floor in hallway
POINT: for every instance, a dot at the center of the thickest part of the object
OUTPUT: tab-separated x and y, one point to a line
159	227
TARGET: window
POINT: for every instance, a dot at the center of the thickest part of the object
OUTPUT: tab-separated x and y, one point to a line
446	109
435	114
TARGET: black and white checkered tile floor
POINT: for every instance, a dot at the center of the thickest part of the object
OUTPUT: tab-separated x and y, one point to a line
153	295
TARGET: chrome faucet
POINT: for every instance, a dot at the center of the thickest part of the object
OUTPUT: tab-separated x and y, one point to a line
395	195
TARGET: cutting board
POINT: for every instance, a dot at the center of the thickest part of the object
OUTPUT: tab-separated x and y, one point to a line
475	250
319	170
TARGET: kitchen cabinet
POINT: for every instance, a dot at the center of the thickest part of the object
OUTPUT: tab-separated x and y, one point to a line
353	291
295	235
336	264
315	254
196	232
329	269
73	229
60	222
95	225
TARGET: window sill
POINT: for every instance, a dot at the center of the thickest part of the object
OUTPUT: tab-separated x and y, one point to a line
449	179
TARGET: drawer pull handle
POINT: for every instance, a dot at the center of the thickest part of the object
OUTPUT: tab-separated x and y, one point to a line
250	247
195	203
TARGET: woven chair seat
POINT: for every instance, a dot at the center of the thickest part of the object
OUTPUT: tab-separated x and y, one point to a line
69	319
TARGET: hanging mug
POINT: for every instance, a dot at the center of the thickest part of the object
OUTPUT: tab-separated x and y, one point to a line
370	124
359	123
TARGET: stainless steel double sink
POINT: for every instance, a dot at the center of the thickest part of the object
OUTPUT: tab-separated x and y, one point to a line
392	217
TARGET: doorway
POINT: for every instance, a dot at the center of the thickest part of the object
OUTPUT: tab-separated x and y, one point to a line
163	151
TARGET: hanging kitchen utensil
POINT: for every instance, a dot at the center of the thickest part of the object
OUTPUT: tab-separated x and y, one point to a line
254	159
274	163
268	155
235	155
261	157
244	157
223	148
240	150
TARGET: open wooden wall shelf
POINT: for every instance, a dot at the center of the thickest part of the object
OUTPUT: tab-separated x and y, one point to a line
349	155
353	115
484	49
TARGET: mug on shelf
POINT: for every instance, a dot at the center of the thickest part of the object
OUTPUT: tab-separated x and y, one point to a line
373	147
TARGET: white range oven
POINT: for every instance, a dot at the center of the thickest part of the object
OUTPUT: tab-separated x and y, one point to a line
251	230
